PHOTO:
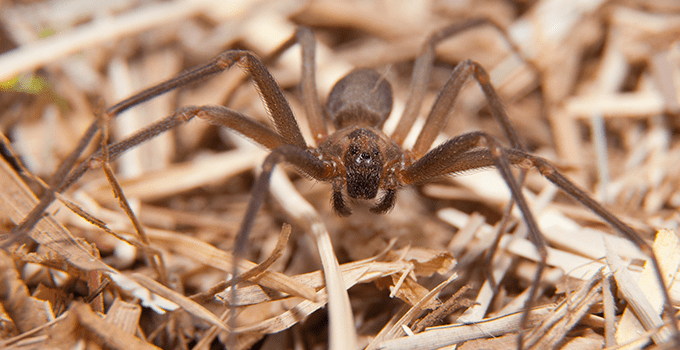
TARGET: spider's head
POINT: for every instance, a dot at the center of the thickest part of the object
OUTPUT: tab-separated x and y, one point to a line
364	164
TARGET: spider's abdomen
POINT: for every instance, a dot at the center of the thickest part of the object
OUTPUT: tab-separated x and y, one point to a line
361	98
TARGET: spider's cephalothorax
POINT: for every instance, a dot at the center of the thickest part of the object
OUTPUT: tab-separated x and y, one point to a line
364	164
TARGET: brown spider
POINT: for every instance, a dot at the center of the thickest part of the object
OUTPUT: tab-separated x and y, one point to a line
358	158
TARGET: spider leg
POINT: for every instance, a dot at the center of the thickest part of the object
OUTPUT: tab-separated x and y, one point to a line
449	157
302	159
272	96
217	115
438	160
454	156
462	156
549	172
338	199
386	202
315	116
65	180
421	75
310	97
270	93
442	106
48	195
436	121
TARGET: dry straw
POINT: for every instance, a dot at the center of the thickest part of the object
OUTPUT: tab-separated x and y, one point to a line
590	85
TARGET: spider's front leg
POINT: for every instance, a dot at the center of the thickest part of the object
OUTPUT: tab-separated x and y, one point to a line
270	93
458	155
302	159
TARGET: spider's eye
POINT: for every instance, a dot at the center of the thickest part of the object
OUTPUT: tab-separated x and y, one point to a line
353	150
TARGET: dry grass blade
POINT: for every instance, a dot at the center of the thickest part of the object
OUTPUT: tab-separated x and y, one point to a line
25	312
263	266
16	200
59	239
442	336
302	310
76	209
254	272
124	315
209	255
555	327
438	315
184	302
179	178
643	295
342	331
368	270
609	312
109	335
155	260
397	329
96	33
79	325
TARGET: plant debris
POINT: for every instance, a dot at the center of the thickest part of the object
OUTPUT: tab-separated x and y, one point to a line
148	263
